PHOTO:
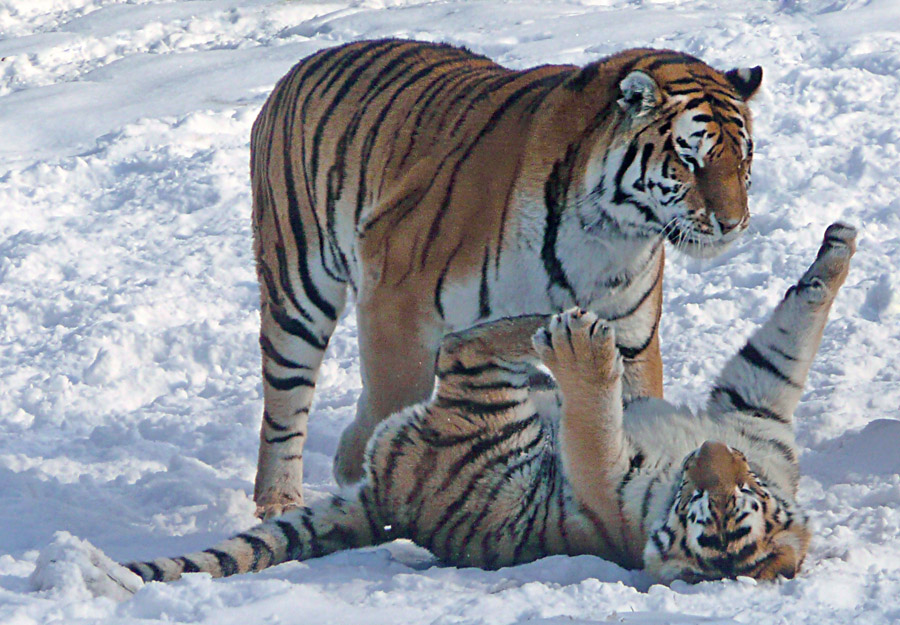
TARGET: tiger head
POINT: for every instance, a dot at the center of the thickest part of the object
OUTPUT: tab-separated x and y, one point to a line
725	522
683	155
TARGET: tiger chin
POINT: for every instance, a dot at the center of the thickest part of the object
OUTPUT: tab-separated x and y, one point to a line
443	191
494	471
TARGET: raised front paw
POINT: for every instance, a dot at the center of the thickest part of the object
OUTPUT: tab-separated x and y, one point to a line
578	346
828	272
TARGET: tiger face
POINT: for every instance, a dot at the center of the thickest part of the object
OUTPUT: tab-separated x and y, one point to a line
684	164
724	522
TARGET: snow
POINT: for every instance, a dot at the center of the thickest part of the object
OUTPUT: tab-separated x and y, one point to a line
129	384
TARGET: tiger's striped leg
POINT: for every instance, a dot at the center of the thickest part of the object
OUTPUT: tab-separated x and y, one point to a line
292	351
763	383
302	293
580	350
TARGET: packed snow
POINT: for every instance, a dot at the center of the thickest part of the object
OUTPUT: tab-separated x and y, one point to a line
130	397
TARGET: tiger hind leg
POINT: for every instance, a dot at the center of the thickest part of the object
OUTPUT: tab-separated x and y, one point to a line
292	351
302	294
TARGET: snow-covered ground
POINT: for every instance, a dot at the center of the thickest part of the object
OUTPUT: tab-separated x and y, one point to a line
129	385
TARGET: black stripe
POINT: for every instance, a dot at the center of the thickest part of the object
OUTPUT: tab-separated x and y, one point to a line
643	298
710	541
532	508
272	353
634	464
367	507
473	407
348	82
434	439
336	172
372	135
645	503
758	360
783	448
188	565
741	404
294	548
627	161
227	564
457	368
290	131
400	441
737	534
496	385
315	546
556	190
645	160
295	327
156	573
287	384
267	419
286	437
439	287
678	58
484	296
260	548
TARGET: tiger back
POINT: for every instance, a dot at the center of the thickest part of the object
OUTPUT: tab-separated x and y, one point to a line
444	190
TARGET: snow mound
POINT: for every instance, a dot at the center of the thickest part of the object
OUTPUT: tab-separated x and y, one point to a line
858	456
72	568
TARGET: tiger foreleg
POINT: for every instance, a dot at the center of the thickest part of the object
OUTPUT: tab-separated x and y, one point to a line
765	380
580	351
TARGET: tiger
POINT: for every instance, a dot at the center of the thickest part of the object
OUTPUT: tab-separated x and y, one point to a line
491	472
443	190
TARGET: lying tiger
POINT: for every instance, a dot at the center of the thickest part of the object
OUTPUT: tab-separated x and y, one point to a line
492	472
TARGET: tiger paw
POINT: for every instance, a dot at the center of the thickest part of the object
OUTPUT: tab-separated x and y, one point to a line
579	347
828	272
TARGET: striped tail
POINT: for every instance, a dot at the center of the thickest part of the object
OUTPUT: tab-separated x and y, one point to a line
333	524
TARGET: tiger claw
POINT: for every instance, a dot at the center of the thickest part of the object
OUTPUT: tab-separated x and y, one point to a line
578	342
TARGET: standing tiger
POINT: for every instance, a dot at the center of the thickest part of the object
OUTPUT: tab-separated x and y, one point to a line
445	190
491	473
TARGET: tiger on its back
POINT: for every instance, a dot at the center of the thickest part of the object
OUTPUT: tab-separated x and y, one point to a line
489	473
445	190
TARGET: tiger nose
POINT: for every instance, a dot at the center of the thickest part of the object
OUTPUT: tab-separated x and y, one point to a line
727	225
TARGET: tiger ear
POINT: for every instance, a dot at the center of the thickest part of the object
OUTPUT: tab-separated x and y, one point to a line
640	93
745	80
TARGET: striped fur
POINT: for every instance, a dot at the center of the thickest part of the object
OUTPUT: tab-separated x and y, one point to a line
444	190
492	471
